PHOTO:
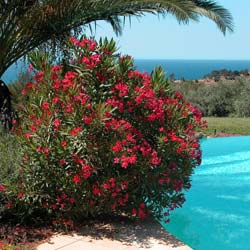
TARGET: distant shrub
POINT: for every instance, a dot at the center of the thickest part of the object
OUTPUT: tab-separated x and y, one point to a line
242	104
10	160
16	88
221	99
99	137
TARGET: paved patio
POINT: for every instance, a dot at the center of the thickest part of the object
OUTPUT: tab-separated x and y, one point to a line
117	234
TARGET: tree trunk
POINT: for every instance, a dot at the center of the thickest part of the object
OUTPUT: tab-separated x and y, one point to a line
5	107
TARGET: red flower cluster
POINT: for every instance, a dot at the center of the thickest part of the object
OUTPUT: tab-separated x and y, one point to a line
109	137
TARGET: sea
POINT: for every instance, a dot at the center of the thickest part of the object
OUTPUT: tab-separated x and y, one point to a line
181	69
191	69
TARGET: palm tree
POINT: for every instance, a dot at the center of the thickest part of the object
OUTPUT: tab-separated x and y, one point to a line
27	24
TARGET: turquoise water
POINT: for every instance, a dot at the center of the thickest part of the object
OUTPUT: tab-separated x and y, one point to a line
216	215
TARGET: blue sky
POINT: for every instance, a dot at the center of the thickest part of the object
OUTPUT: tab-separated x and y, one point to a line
151	37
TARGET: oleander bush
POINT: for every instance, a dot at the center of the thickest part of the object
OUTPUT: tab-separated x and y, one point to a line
98	137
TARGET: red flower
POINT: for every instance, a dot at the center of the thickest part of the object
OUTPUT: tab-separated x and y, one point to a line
69	108
178	185
75	131
130	138
30	68
2	188
28	135
63	143
39	76
72	200
161	181
45	105
125	185
132	159
92	46
8	205
96	191
116	160
25	156
112	180
46	150
73	40
38	122
54	206
58	199
20	195
113	206
106	186
64	196
57	122
62	162
122	89
134	211
156	160
33	128
55	100
142	214
56	68
57	85
117	147
114	194
142	205
77	179
87	119
86	171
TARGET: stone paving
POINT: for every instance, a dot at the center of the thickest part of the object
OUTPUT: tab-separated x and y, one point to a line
118	235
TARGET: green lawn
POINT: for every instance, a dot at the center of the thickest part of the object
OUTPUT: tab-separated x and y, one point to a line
228	125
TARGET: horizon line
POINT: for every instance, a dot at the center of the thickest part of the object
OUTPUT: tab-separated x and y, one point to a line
191	59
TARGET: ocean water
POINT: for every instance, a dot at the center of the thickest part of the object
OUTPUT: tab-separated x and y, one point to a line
12	73
216	214
187	69
191	69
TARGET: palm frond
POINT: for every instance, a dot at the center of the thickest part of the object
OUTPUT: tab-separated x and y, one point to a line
26	24
217	13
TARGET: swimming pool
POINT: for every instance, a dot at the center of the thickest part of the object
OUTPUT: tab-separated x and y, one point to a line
216	215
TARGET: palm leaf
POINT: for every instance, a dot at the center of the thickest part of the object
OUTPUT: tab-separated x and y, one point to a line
27	24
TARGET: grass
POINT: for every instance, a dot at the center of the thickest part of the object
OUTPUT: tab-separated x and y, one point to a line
227	125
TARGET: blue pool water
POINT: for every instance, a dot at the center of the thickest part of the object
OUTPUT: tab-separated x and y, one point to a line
216	215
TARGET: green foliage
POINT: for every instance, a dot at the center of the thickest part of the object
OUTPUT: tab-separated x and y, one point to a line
10	160
227	74
98	137
242	103
9	157
220	99
16	88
